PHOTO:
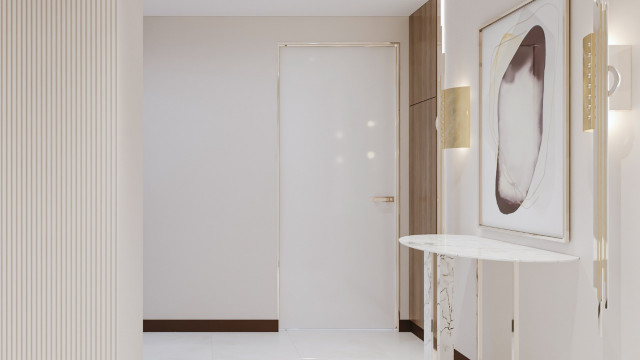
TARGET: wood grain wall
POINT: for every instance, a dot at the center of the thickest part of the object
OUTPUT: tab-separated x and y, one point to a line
422	53
422	145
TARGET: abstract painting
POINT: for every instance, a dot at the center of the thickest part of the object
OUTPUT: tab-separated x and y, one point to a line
524	121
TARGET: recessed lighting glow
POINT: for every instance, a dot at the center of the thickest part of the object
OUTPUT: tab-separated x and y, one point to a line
371	123
339	160
371	155
339	135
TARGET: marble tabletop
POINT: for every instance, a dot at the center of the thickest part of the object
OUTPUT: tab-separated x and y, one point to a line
476	247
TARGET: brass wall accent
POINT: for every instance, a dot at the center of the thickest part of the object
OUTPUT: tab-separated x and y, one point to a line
455	117
383	198
601	165
588	85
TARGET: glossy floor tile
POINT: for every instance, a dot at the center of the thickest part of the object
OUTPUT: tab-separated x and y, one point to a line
285	345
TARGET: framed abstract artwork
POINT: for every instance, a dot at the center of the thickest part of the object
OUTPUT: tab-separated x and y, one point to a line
524	121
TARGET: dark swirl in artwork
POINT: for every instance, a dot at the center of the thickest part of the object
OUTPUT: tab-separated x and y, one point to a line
520	126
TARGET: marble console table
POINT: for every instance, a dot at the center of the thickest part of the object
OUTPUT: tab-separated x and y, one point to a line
438	288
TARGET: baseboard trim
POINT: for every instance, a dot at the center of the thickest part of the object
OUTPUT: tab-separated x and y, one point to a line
404	325
210	326
458	356
410	326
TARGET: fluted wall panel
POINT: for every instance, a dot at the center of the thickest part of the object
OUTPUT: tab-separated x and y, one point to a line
58	179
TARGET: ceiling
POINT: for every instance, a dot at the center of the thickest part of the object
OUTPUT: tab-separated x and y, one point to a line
281	7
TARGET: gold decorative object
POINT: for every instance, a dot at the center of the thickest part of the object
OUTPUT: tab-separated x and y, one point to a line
383	199
601	133
455	117
588	85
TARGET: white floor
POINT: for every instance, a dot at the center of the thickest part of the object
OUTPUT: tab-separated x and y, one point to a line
286	345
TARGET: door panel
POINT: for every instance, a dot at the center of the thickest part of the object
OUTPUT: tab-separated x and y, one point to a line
337	150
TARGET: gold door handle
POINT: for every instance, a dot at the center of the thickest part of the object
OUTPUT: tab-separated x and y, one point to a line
383	199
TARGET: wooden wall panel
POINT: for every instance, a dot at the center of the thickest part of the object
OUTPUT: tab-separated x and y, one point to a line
423	167
423	195
422	53
58	179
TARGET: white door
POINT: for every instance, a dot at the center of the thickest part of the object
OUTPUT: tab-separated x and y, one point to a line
338	109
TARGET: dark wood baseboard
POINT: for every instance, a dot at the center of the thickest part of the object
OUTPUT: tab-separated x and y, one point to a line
410	326
405	326
458	356
210	326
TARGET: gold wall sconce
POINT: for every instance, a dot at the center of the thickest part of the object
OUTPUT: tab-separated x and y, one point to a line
618	69
455	117
588	83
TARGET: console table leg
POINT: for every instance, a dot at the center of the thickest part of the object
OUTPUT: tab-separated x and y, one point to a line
430	308
515	325
445	326
479	309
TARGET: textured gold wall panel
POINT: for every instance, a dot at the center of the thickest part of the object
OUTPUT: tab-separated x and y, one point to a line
58	179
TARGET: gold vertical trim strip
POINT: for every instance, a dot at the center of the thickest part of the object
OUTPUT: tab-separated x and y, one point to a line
3	245
605	154
601	125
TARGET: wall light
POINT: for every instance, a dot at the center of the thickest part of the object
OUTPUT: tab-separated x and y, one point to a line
455	117
588	83
619	71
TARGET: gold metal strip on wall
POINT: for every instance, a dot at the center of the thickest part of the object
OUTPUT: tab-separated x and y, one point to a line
57	179
601	125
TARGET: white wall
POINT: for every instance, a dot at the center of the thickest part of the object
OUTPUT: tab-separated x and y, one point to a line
558	304
210	157
130	180
624	29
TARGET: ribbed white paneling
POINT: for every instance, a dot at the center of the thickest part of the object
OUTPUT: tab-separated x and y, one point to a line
58	179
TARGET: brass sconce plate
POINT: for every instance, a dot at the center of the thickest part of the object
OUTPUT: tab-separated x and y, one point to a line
455	115
588	86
